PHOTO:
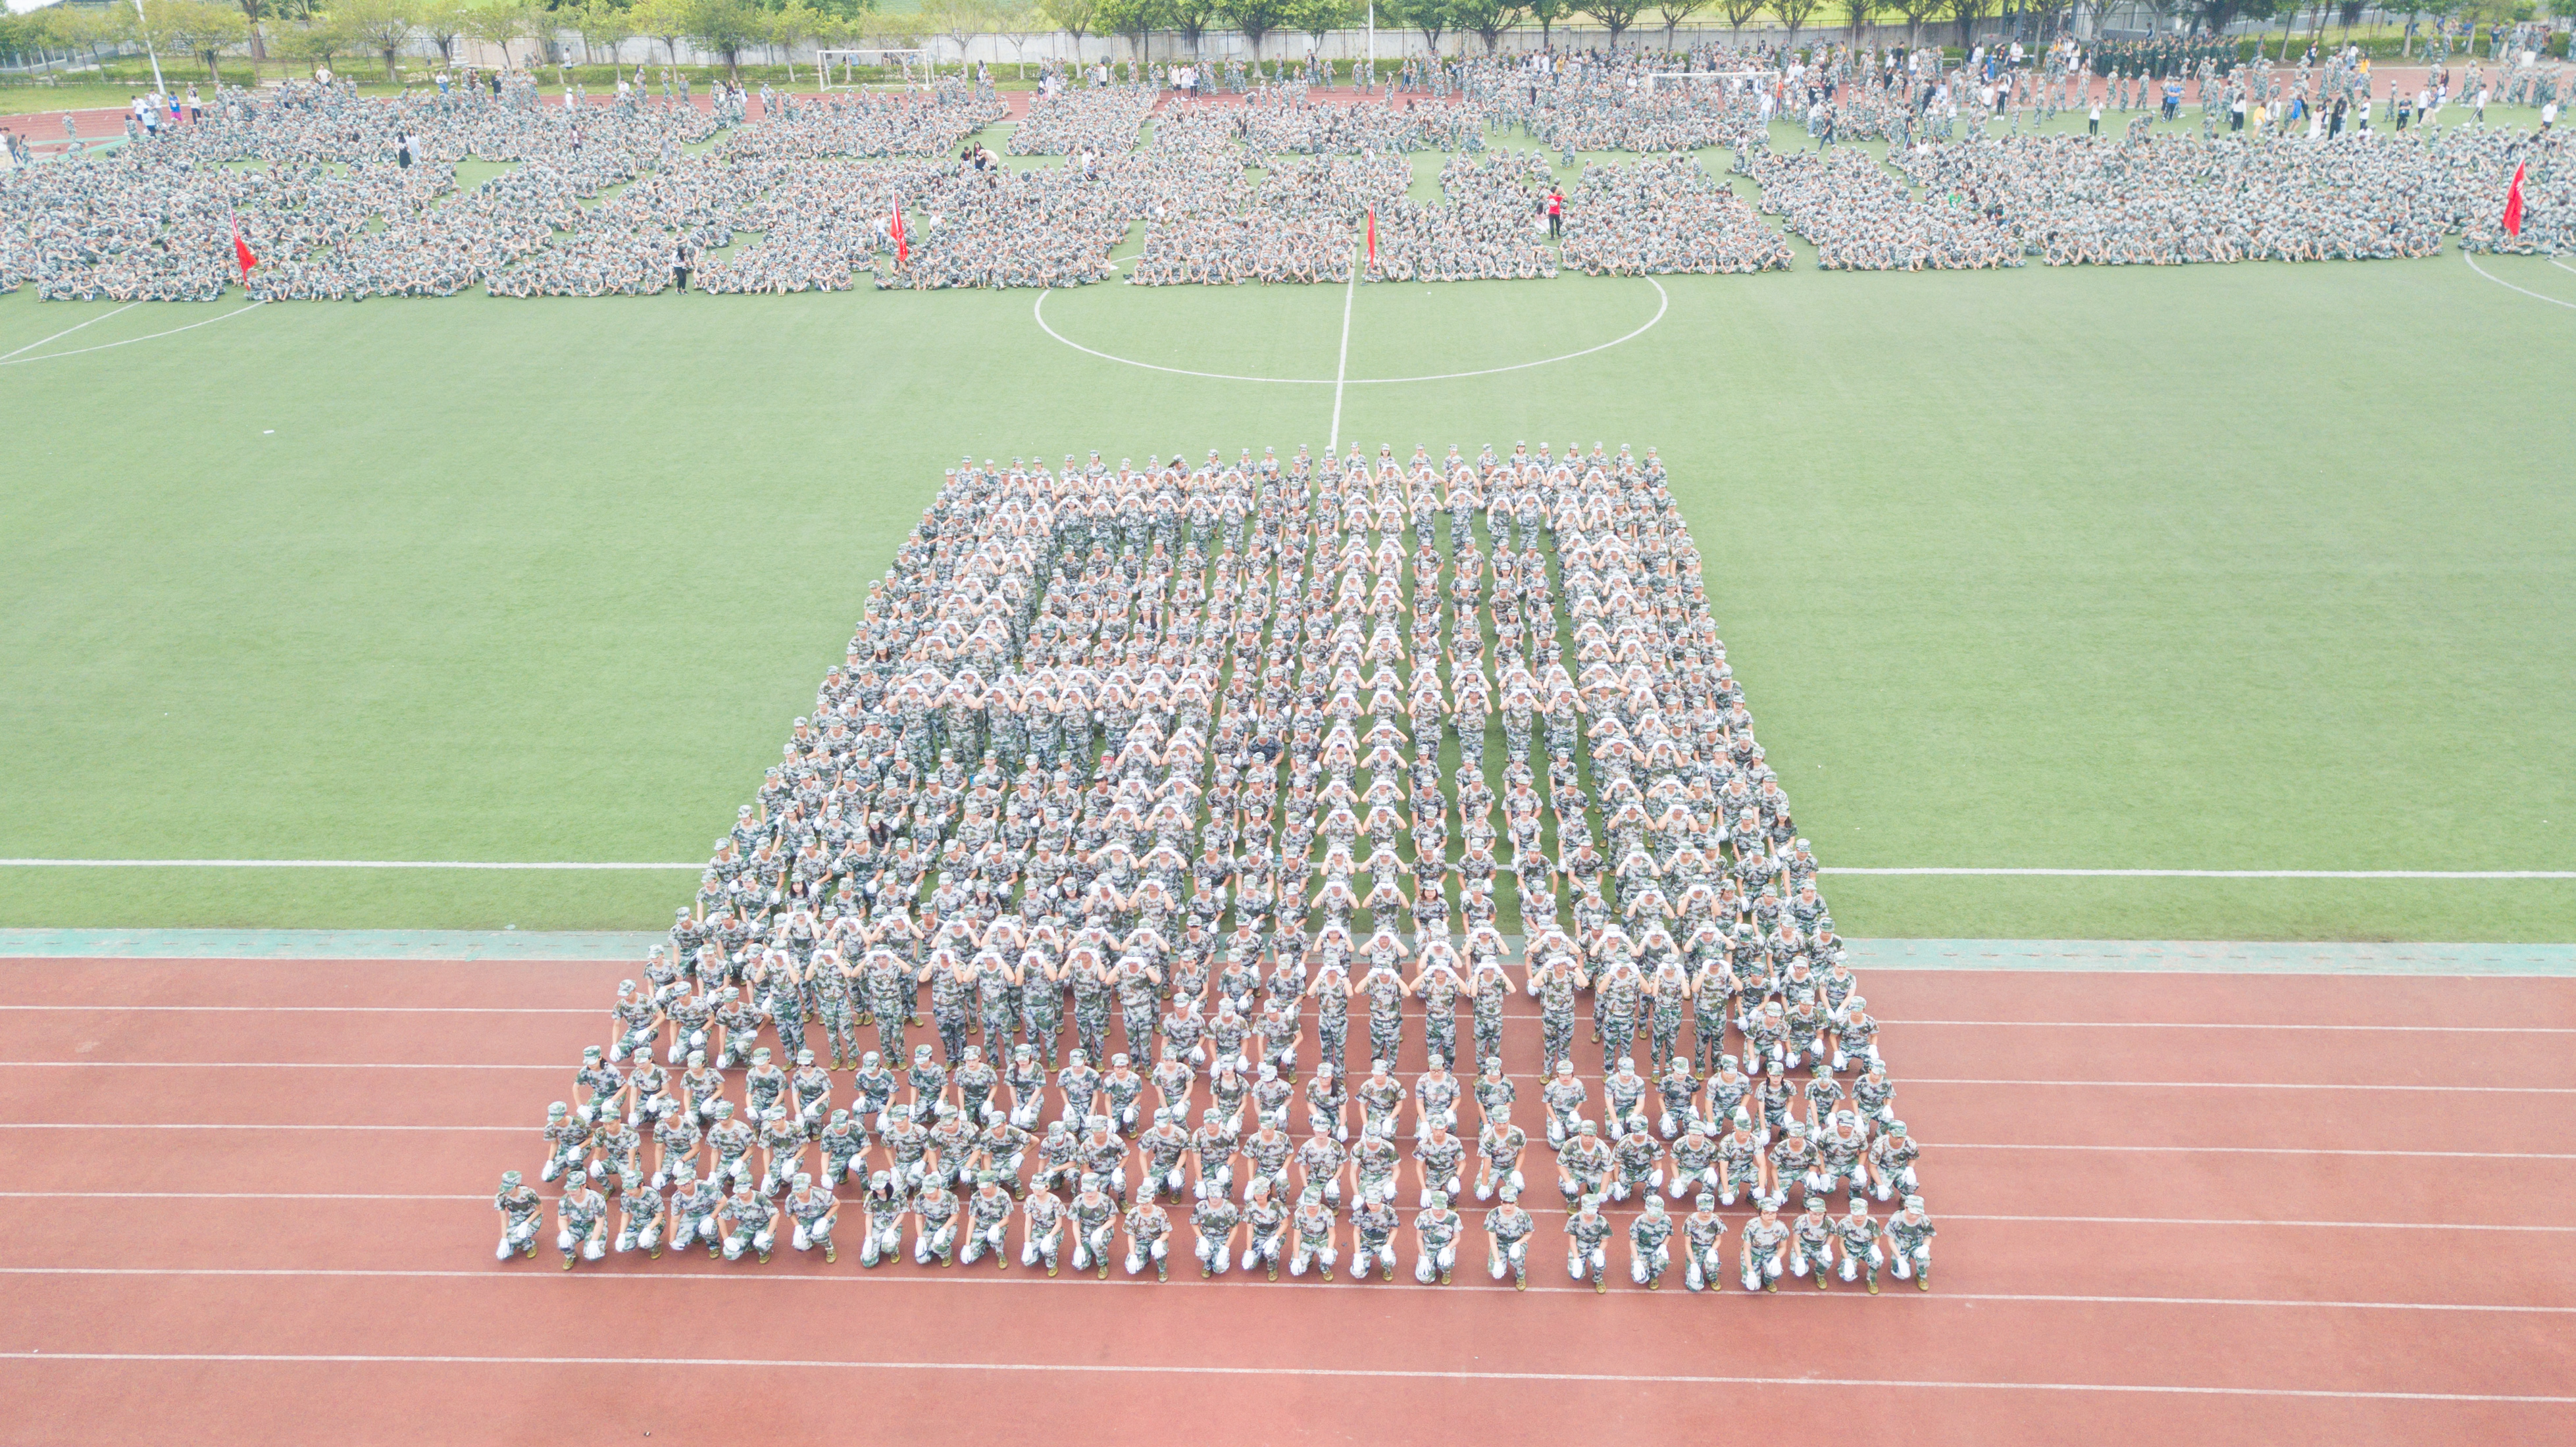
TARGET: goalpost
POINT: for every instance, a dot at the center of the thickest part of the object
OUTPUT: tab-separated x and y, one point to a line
871	57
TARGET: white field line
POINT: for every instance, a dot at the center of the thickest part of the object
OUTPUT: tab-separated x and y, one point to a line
1927	870
1910	1080
67	331
2191	1221
129	341
1342	368
531	1129
2509	286
963	1278
113	1009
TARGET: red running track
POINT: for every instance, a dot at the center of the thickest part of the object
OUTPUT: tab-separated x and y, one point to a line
249	1201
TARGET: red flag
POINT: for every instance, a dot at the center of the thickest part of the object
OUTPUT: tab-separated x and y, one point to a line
902	248
2513	205
1372	236
243	258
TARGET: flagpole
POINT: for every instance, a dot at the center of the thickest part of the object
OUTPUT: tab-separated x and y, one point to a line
143	23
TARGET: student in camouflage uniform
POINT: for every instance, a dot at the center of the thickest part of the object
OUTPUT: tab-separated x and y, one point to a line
1678	1088
882	1210
1214	1220
1313	1235
1587	1251
1891	1161
988	1223
582	1216
750	1223
1857	1235
1583	1167
876	1088
521	1211
642	1217
1650	1252
699	1207
1500	1144
1043	1236
1507	1230
844	1144
1638	1158
1765	1249
567	1143
936	1210
1265	1222
1435	1238
1703	1231
1094	1214
814	1212
1327	1104
1909	1243
1149	1232
1373	1223
1564	1097
1811	1242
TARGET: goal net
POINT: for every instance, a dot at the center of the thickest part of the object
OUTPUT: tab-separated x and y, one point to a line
850	62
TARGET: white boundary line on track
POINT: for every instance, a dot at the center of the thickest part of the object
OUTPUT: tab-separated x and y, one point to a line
531	1129
2201	1221
110	1009
1928	870
67	331
2509	286
949	1278
1910	1080
1139	1369
1663	303
129	341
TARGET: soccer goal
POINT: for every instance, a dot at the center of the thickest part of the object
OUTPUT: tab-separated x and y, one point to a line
852	61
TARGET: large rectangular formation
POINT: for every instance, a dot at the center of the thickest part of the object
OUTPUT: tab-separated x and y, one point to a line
1258	775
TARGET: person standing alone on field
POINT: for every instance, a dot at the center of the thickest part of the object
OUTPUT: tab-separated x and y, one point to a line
1555	212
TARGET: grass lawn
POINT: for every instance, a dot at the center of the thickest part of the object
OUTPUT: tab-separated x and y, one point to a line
2214	567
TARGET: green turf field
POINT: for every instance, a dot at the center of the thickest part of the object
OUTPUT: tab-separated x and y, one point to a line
2250	567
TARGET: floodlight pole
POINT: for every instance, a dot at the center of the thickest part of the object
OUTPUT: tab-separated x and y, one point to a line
1372	42
143	23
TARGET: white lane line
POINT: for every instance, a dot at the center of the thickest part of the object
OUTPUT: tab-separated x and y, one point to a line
1946	1216
67	331
531	1129
950	1279
1342	369
2509	286
1929	870
1140	1369
309	1009
2141	1025
311	864
2220	873
129	341
111	1009
1910	1080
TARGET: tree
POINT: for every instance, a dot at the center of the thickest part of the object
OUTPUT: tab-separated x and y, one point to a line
664	20
957	21
1490	18
1135	19
1740	13
499	23
1915	13
1674	12
1968	13
1617	15
1256	19
194	27
1018	21
1794	13
1319	18
792	22
1431	17
603	25
1192	18
726	28
312	43
1073	17
380	27
1856	12
1547	13
253	11
442	21
2349	12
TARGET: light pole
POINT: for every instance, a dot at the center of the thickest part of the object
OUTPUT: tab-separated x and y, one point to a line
143	23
